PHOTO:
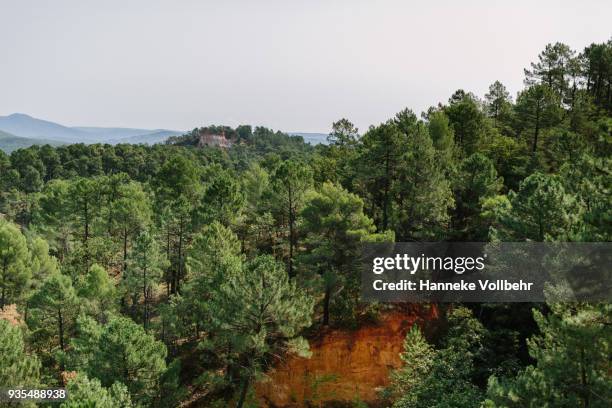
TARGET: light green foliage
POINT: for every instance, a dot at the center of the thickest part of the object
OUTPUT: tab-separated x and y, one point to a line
41	263
259	313
443	377
84	392
14	257
97	292
572	369
417	360
121	351
18	369
214	253
590	180
541	210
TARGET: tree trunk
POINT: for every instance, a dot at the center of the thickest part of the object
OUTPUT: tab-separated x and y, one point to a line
144	298
537	128
291	232
326	306
244	387
125	239
61	337
86	235
60	320
169	271
4	269
586	401
179	271
385	220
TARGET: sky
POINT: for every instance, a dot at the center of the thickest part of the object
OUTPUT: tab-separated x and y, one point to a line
289	65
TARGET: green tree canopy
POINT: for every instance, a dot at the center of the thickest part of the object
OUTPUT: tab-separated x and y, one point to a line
84	392
335	225
18	369
14	271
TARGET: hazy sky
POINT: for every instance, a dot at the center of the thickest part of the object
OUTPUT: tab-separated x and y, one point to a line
290	65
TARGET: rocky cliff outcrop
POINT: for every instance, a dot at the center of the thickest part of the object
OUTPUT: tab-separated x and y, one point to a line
345	365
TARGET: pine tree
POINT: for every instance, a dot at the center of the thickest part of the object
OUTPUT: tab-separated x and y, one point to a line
256	226
53	218
467	119
343	134
18	369
41	263
222	199
421	193
377	165
572	366
540	211
131	212
589	180
14	257
214	254
335	225
477	182
97	292
85	207
417	360
123	352
53	311
85	392
443	138
551	68
290	182
537	109
177	188
259	313
497	102
443	377
145	270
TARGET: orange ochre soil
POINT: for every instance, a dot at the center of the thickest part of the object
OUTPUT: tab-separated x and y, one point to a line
346	365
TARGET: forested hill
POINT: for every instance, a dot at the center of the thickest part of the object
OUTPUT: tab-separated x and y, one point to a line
260	138
151	276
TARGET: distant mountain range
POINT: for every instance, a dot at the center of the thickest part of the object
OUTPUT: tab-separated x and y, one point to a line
21	130
10	142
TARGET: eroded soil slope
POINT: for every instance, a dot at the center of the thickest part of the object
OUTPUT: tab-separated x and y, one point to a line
345	365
